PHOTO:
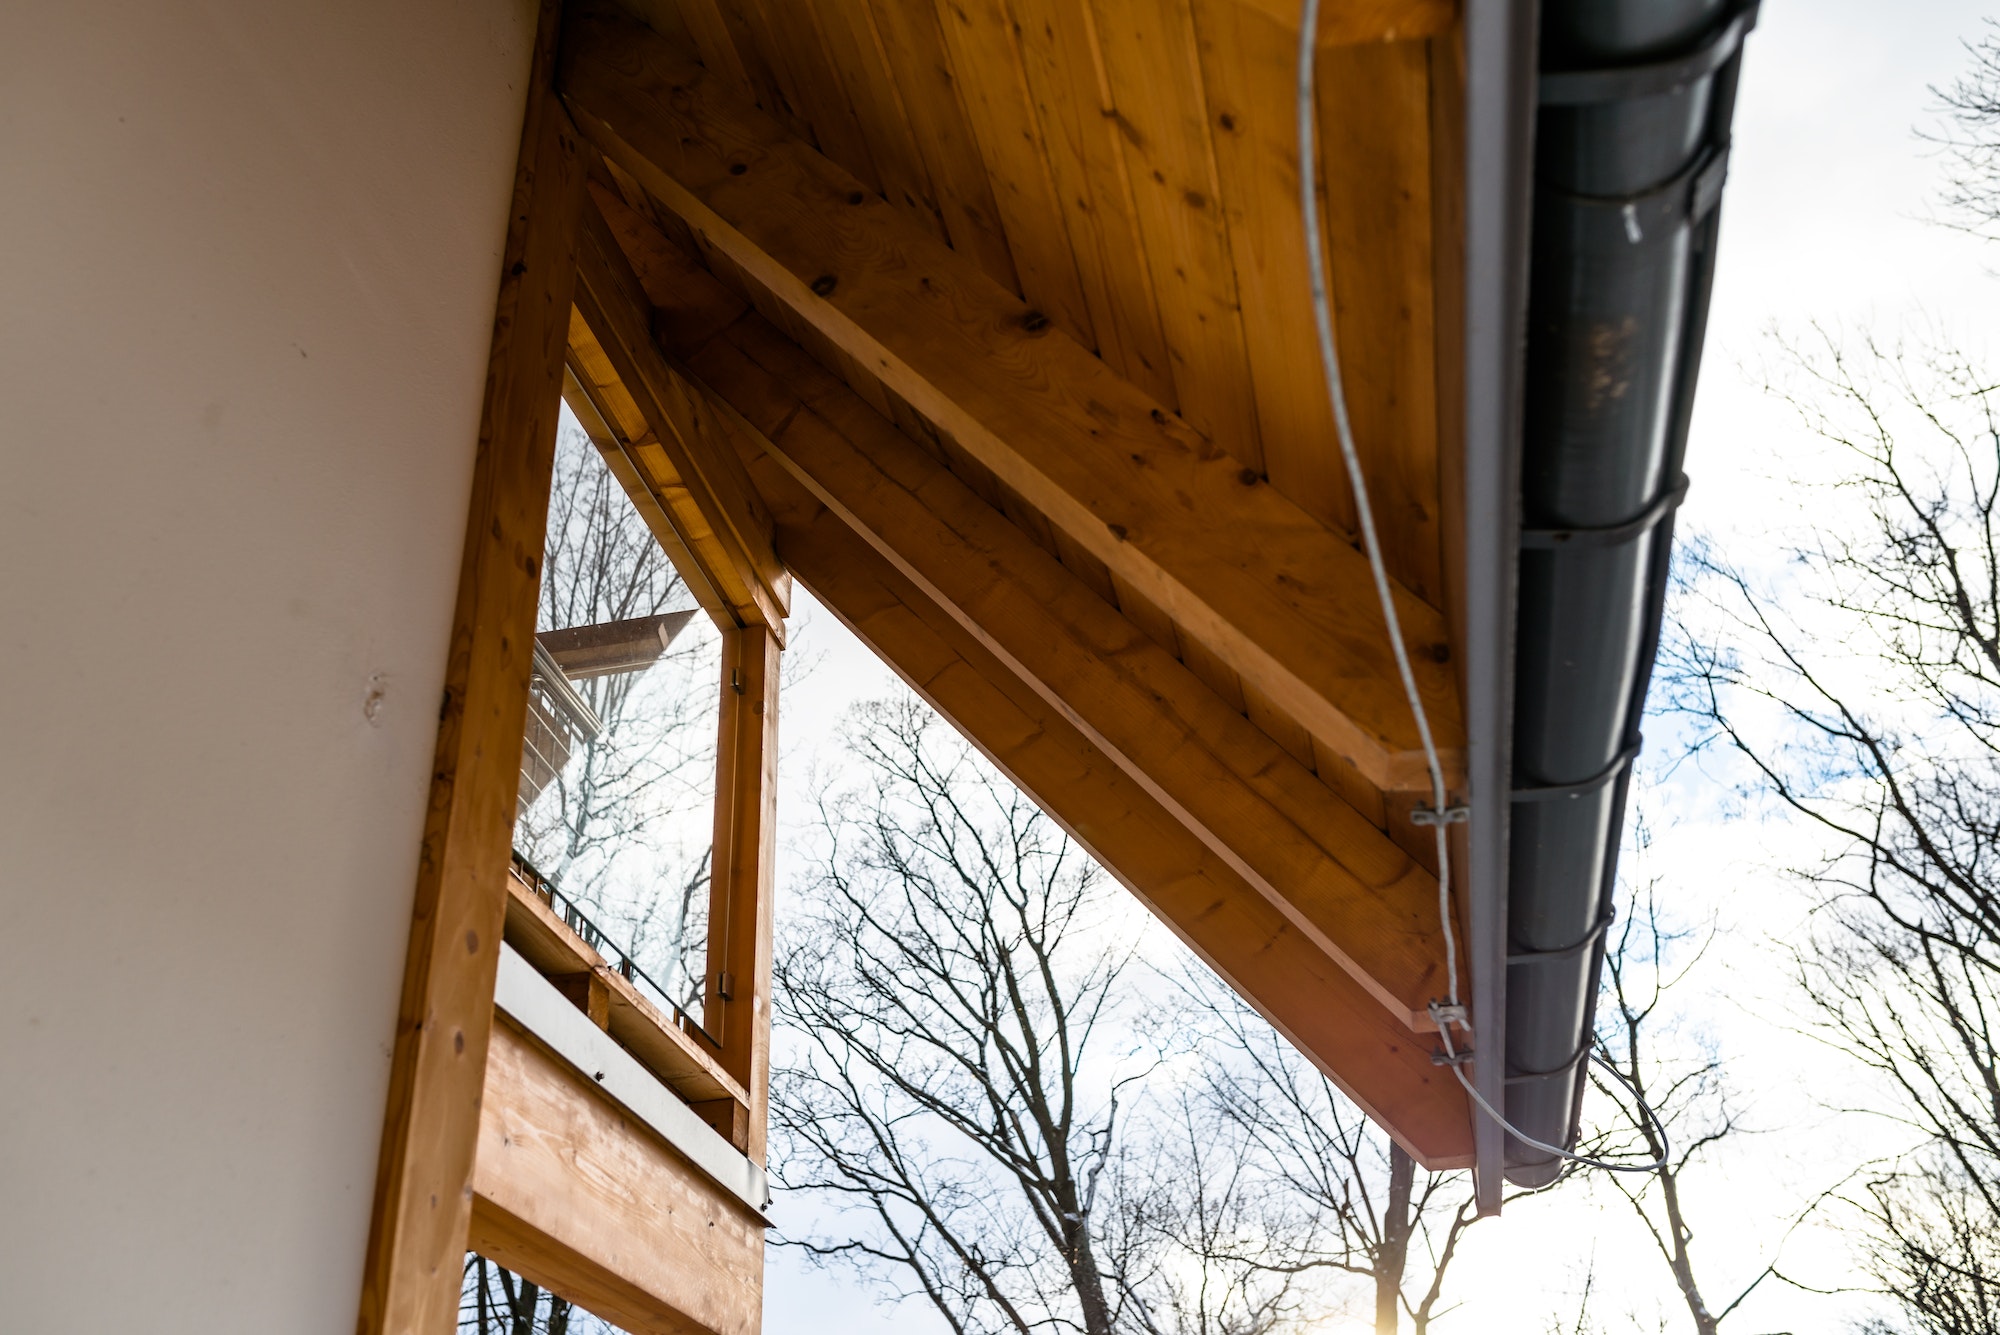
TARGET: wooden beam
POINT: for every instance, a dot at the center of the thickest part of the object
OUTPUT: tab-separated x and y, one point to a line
612	647
682	1061
1279	596
1315	1003
737	1005
581	1199
686	460
619	455
1340	880
416	1247
588	993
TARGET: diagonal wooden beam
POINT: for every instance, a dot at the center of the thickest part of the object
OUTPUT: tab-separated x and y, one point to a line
1281	598
1337	878
684	456
1315	1003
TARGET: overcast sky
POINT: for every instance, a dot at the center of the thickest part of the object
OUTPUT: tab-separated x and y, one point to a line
1825	218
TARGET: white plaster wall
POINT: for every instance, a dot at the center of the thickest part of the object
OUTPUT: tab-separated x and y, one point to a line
248	256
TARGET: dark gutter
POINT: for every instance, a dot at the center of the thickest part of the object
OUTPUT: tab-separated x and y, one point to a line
1632	141
1500	41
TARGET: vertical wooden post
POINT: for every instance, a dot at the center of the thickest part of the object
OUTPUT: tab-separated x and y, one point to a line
737	1004
423	1192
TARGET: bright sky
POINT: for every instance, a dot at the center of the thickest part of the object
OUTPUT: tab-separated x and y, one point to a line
1824	219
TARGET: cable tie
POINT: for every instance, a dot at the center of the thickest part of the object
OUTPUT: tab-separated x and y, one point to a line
1429	816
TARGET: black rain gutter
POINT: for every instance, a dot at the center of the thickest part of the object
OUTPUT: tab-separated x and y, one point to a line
1631	142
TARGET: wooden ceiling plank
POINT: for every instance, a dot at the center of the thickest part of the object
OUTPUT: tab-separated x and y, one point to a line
1374	127
1282	598
1318	1006
913	45
986	64
790	31
1065	74
1159	105
855	49
1361	899
744	59
1245	57
1358	22
701	310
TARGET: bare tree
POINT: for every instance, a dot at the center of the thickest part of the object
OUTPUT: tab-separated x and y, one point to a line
962	1080
495	1301
605	827
1867	704
1668	1101
1339	1195
1971	140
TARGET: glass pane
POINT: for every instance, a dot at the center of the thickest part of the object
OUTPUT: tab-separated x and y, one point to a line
618	765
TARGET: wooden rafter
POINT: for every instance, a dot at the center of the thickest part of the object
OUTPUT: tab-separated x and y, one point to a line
1223	814
1336	877
1274	965
683	456
1278	595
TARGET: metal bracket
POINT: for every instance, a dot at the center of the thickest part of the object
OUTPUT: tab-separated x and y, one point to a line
1619	83
1431	816
1609	535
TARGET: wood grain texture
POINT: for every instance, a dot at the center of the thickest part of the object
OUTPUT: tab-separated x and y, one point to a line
1366	1051
855	49
617	451
1374	127
589	1203
986	64
1333	874
913	47
416	1244
1086	157
683	451
683	1063
1160	108
1192	528
1254	122
1355	22
737	1004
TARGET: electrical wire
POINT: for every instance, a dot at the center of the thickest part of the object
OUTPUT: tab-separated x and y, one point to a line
1451	1011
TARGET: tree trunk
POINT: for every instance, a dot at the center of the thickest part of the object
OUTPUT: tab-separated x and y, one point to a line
1395	1248
1705	1323
1089	1284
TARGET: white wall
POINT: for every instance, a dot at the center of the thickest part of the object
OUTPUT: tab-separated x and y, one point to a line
248	256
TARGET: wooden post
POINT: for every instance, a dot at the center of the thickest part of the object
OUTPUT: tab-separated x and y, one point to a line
737	1003
423	1191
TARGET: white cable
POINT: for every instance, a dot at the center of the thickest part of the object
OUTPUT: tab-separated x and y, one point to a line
1451	1011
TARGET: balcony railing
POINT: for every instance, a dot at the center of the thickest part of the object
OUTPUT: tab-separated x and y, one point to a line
615	954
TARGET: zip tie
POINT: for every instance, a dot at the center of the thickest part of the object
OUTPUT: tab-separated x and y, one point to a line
1449	1011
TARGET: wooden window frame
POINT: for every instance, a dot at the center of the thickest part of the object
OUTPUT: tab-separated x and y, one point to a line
560	295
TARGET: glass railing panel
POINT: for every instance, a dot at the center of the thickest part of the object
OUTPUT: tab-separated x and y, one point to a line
618	762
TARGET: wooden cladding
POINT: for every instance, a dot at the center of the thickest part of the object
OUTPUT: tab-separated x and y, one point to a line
1282	599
